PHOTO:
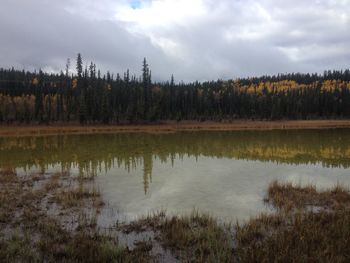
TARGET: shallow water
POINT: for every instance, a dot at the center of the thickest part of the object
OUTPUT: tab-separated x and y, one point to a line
223	173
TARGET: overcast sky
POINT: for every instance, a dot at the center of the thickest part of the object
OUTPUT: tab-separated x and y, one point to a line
193	39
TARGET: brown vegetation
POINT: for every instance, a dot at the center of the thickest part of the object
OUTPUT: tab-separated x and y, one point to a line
170	126
194	238
288	196
298	232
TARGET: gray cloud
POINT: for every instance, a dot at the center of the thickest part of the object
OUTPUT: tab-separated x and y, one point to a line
195	40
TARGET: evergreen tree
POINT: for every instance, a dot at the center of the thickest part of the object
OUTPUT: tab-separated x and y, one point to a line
79	66
67	67
82	109
85	97
146	87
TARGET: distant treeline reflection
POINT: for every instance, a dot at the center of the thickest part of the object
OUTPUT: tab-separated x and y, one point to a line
101	152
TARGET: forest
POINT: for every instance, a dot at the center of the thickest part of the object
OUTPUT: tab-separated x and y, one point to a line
88	97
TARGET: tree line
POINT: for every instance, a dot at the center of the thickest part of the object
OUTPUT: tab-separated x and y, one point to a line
89	97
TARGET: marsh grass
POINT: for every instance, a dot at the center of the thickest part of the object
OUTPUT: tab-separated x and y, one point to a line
75	196
297	232
287	196
305	237
53	218
197	238
33	221
194	238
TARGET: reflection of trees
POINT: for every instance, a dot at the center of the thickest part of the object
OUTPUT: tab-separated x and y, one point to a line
95	153
147	170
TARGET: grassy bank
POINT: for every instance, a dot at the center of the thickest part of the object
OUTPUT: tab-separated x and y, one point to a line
169	126
309	226
54	218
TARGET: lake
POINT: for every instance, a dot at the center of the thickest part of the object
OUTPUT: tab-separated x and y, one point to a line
224	173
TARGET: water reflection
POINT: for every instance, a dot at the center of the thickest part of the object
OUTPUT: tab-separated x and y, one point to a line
100	153
224	173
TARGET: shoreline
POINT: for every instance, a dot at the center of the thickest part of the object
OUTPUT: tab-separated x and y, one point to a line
169	127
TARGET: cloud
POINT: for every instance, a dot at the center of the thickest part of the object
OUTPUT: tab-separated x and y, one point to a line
194	40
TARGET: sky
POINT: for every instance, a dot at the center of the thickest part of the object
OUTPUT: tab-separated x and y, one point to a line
192	39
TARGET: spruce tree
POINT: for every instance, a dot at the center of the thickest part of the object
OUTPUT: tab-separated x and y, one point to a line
79	66
145	82
67	67
82	109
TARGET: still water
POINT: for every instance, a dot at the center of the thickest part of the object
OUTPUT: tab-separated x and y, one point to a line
223	173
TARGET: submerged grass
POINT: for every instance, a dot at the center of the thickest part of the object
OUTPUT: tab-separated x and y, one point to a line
308	226
33	221
197	238
76	195
194	238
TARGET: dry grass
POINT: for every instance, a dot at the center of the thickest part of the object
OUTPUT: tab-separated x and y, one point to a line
288	196
194	238
170	126
303	237
75	196
296	233
197	238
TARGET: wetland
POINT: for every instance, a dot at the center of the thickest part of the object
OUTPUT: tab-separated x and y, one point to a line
183	196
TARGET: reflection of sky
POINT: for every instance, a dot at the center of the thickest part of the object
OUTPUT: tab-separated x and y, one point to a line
226	188
135	4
